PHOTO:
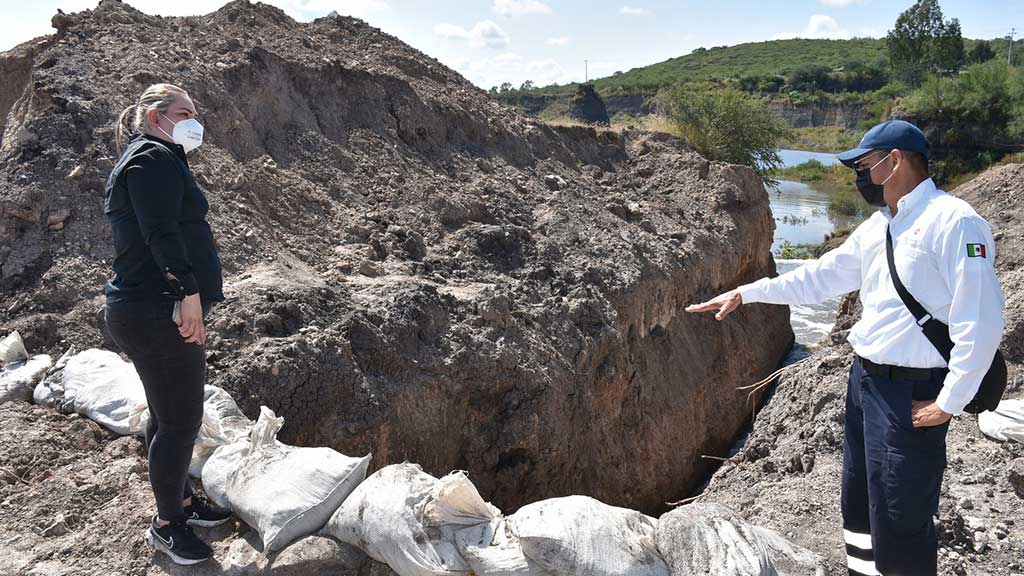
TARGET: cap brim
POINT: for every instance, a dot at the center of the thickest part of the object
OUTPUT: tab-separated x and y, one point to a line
850	157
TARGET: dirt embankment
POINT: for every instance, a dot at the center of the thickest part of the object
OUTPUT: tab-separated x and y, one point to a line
412	269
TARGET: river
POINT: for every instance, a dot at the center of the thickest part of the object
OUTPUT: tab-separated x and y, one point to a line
801	217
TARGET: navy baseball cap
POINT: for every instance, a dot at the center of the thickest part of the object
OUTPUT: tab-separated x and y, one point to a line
898	134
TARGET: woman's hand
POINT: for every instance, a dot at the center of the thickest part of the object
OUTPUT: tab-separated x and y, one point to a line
724	303
190	326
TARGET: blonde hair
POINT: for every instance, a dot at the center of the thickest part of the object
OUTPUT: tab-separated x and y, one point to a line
133	118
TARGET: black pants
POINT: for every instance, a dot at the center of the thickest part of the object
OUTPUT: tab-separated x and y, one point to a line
892	473
173	374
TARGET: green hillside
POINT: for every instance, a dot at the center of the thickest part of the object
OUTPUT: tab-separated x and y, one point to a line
756	60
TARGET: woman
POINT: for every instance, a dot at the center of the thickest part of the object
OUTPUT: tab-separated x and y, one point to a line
166	277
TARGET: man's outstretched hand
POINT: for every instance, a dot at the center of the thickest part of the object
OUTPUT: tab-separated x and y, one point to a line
723	303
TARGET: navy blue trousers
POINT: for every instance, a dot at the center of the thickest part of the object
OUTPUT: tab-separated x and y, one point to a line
892	473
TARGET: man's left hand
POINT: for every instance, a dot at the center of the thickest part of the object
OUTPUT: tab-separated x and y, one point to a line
924	413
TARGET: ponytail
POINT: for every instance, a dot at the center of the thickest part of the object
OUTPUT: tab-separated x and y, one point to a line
133	118
125	126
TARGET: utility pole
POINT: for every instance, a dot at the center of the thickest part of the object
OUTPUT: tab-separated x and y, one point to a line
1009	52
586	72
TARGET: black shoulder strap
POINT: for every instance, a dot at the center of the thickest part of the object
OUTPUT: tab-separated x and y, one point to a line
936	332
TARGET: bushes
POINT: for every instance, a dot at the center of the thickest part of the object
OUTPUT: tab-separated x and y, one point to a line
726	125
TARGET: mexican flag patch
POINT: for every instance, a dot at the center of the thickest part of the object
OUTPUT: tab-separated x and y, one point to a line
975	250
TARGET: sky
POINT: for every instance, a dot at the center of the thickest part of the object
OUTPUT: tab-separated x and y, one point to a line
547	41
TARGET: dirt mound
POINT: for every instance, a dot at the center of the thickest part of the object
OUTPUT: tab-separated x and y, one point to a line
412	269
788	473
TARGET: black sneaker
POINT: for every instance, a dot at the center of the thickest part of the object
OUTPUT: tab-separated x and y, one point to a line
179	542
203	513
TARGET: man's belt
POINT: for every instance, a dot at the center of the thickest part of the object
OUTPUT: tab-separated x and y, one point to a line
900	372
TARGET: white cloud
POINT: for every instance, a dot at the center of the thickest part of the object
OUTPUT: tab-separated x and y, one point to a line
513	68
634	11
520	7
307	9
557	41
819	26
483	34
840	3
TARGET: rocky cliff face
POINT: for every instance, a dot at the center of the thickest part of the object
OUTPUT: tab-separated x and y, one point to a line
587	106
412	269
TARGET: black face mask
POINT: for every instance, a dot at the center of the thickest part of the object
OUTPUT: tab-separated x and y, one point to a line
872	193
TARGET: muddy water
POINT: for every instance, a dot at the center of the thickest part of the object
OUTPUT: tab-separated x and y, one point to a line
801	217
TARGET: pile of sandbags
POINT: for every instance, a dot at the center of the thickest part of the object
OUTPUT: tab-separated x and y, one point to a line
284	492
700	539
407	519
223	424
581	535
417	524
1004	423
101	386
20	372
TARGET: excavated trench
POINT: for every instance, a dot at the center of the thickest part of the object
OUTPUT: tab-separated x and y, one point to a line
412	269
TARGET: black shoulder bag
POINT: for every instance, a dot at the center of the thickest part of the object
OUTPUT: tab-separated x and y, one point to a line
992	385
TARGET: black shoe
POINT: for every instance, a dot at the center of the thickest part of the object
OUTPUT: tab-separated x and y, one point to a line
203	513
179	542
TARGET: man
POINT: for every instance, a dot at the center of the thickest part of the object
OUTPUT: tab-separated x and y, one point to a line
901	394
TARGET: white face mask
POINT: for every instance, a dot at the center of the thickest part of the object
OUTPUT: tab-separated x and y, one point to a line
187	133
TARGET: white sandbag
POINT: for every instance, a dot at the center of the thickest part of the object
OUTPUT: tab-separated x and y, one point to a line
284	492
788	558
12	349
223	424
699	539
50	390
491	549
386	517
1006	423
580	535
105	389
18	379
455	500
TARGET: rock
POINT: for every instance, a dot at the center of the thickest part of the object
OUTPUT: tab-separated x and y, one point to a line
369	268
12	349
554	182
55	221
58	528
980	542
966	504
315	556
1015	475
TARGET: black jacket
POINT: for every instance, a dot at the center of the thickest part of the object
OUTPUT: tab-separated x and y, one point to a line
158	217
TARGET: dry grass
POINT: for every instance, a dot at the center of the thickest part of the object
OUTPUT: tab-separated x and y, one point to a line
650	123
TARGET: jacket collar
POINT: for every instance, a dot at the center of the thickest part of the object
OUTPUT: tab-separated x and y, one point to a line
176	148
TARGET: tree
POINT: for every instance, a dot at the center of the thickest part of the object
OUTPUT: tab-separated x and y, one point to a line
526	86
982	52
725	124
922	42
505	87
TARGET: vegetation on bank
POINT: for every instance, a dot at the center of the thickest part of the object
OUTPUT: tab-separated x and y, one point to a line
965	96
726	125
832	139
